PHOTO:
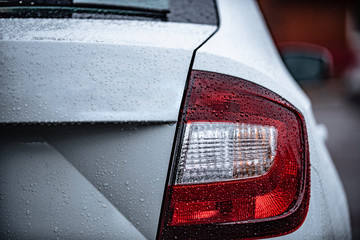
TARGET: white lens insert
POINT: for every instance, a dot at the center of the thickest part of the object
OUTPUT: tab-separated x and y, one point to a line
224	151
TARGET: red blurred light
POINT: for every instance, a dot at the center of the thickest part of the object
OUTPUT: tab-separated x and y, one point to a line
270	205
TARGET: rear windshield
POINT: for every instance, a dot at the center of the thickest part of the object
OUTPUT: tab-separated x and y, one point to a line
189	11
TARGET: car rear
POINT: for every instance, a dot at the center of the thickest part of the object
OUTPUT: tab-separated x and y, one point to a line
120	128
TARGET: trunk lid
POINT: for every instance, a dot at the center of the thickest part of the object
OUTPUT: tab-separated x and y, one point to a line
89	181
76	70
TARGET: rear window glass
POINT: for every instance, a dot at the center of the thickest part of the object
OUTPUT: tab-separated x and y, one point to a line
188	11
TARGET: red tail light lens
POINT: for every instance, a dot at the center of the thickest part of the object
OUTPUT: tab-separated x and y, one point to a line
241	167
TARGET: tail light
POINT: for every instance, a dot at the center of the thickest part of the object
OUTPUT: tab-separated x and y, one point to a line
241	166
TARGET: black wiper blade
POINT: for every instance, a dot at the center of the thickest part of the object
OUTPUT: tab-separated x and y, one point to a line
13	3
70	3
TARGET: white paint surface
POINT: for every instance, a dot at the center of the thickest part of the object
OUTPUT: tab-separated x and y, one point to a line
76	70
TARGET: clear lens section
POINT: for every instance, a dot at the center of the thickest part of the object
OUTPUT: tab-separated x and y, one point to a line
223	151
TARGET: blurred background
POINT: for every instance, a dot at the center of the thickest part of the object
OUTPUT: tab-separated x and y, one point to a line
320	43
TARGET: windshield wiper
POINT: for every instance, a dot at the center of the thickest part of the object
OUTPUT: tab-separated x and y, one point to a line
161	11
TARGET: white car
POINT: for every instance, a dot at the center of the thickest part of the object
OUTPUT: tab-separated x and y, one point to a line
166	119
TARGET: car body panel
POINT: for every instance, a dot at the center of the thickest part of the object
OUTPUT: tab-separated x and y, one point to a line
247	51
49	199
87	181
80	70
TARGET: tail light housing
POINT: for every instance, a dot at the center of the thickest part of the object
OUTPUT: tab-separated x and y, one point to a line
240	166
